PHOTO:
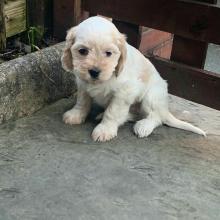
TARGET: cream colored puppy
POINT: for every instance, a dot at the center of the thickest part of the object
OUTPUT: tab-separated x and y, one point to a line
115	75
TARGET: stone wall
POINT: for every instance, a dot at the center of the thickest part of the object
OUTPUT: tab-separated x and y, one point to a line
30	82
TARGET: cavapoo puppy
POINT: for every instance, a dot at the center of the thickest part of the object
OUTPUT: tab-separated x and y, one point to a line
116	76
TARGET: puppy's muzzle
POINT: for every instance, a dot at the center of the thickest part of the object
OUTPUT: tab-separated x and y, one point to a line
94	73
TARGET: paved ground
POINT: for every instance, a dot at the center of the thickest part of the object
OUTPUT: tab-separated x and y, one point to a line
213	57
52	171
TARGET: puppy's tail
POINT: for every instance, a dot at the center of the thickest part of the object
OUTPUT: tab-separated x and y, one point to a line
171	121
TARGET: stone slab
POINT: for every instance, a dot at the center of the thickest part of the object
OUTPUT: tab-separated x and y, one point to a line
53	171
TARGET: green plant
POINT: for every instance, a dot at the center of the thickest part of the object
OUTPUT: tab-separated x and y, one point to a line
35	35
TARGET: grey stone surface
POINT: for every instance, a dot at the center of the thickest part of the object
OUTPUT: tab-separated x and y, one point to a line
213	58
30	82
52	171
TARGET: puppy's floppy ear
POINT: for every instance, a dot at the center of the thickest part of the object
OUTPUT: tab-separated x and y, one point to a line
66	59
123	50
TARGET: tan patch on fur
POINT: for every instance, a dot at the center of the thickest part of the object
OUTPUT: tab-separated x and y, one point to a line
122	48
66	58
144	76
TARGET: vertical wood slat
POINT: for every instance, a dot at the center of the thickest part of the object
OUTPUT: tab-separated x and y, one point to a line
35	12
48	17
132	31
63	17
77	12
189	51
2	27
40	14
66	13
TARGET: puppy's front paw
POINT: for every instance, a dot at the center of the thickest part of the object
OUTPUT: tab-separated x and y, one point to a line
73	117
103	132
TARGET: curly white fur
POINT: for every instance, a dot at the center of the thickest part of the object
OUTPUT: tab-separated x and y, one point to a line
125	77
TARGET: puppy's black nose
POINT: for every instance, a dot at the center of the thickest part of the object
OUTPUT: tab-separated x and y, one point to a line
94	73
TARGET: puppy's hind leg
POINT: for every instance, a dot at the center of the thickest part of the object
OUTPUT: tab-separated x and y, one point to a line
153	105
145	127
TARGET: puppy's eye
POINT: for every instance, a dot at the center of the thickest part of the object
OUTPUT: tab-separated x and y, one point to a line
108	53
83	51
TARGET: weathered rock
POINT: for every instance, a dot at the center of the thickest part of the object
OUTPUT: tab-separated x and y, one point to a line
30	82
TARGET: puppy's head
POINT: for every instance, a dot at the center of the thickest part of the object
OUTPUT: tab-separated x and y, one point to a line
95	50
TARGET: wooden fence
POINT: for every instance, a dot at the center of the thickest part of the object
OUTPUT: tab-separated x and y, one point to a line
193	23
12	19
16	16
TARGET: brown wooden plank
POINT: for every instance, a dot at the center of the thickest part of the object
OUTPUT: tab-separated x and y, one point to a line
190	83
67	13
189	51
39	14
63	17
2	27
48	17
132	31
134	11
207	1
187	19
198	21
77	11
35	12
